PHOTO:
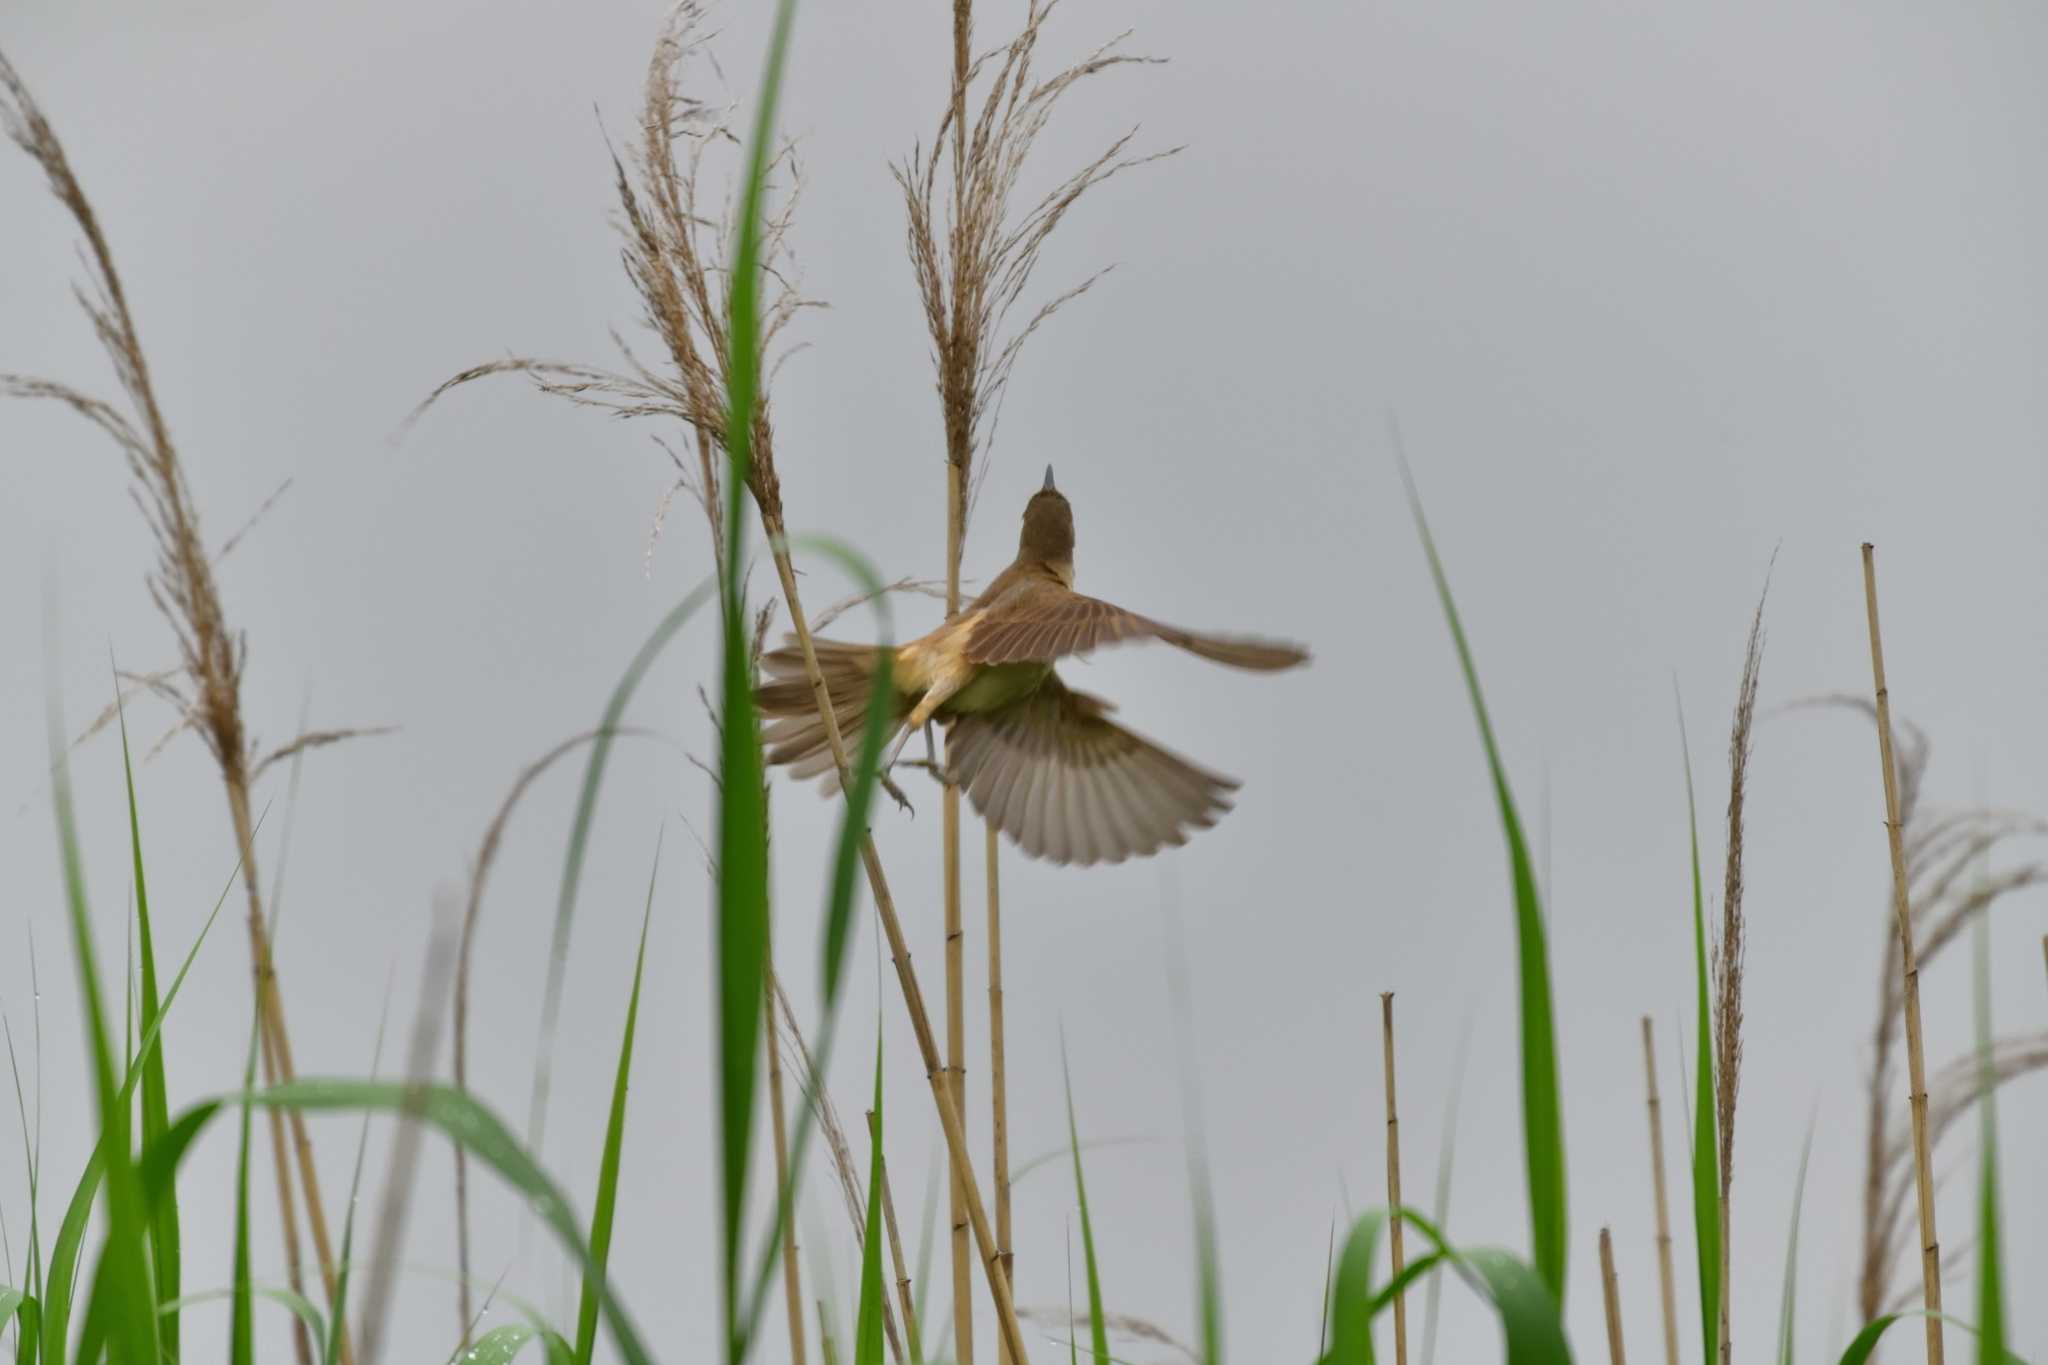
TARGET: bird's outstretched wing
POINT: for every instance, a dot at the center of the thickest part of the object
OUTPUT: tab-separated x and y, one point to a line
1040	620
1070	786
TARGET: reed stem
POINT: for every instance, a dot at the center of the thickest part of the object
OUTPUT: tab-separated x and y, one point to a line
997	1065
899	953
1611	1291
1666	1280
1916	1061
1394	1177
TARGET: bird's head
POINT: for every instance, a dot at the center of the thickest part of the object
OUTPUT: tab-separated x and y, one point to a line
1048	528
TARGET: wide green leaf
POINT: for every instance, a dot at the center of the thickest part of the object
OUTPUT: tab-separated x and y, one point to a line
1542	1106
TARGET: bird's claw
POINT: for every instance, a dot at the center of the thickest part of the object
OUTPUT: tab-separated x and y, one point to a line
902	801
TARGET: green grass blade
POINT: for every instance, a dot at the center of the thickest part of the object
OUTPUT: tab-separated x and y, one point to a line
457	1117
867	1333
163	1222
300	1307
1440	1208
344	1272
1351	1298
124	1275
614	1142
242	1314
1098	1332
1542	1108
28	1339
1865	1344
742	935
501	1344
1706	1165
1788	1303
10	1300
1990	1254
66	1251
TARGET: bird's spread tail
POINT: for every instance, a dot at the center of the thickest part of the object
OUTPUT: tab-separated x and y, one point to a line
795	732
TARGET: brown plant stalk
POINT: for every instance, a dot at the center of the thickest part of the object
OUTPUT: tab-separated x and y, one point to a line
1728	955
1610	1287
905	1298
1916	1061
1397	1223
998	1062
181	583
792	1280
1666	1280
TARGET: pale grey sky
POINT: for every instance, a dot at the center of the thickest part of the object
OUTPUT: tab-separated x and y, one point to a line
1653	293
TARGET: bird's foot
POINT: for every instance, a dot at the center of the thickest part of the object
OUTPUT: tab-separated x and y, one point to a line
902	801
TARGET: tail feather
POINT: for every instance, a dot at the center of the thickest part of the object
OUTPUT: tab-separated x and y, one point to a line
795	733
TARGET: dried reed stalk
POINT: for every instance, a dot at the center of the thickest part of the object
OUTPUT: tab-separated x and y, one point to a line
182	582
1728	954
1611	1292
1940	846
969	272
1916	1061
998	1065
905	1298
1394	1177
1666	1280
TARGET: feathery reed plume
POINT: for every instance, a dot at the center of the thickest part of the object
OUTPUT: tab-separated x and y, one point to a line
1940	845
1728	952
1610	1288
1666	1281
972	256
1916	1061
181	583
1394	1219
905	1298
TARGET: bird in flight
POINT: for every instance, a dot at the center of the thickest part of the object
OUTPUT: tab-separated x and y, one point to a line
1040	761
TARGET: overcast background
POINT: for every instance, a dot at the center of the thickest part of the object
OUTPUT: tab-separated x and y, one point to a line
1653	294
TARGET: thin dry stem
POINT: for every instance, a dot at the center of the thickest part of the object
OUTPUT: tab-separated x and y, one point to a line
1611	1294
998	1068
182	581
1916	1062
1394	1177
792	1282
1666	1279
1728	956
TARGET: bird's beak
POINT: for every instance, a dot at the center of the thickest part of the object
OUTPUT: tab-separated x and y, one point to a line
1047	487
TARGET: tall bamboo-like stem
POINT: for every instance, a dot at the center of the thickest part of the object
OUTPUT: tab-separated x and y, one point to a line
957	368
904	1296
1916	1060
1666	1281
1394	1177
899	956
999	1102
792	1286
1610	1287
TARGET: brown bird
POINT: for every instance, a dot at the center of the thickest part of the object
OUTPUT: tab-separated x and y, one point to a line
1038	760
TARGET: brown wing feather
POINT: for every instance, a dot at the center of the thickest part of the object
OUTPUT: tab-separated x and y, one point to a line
1040	620
1070	786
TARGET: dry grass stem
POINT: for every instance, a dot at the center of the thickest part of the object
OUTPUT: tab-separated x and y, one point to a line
1728	952
998	1067
792	1280
1666	1280
1916	1062
1395	1221
1124	1325
1611	1295
315	739
182	581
